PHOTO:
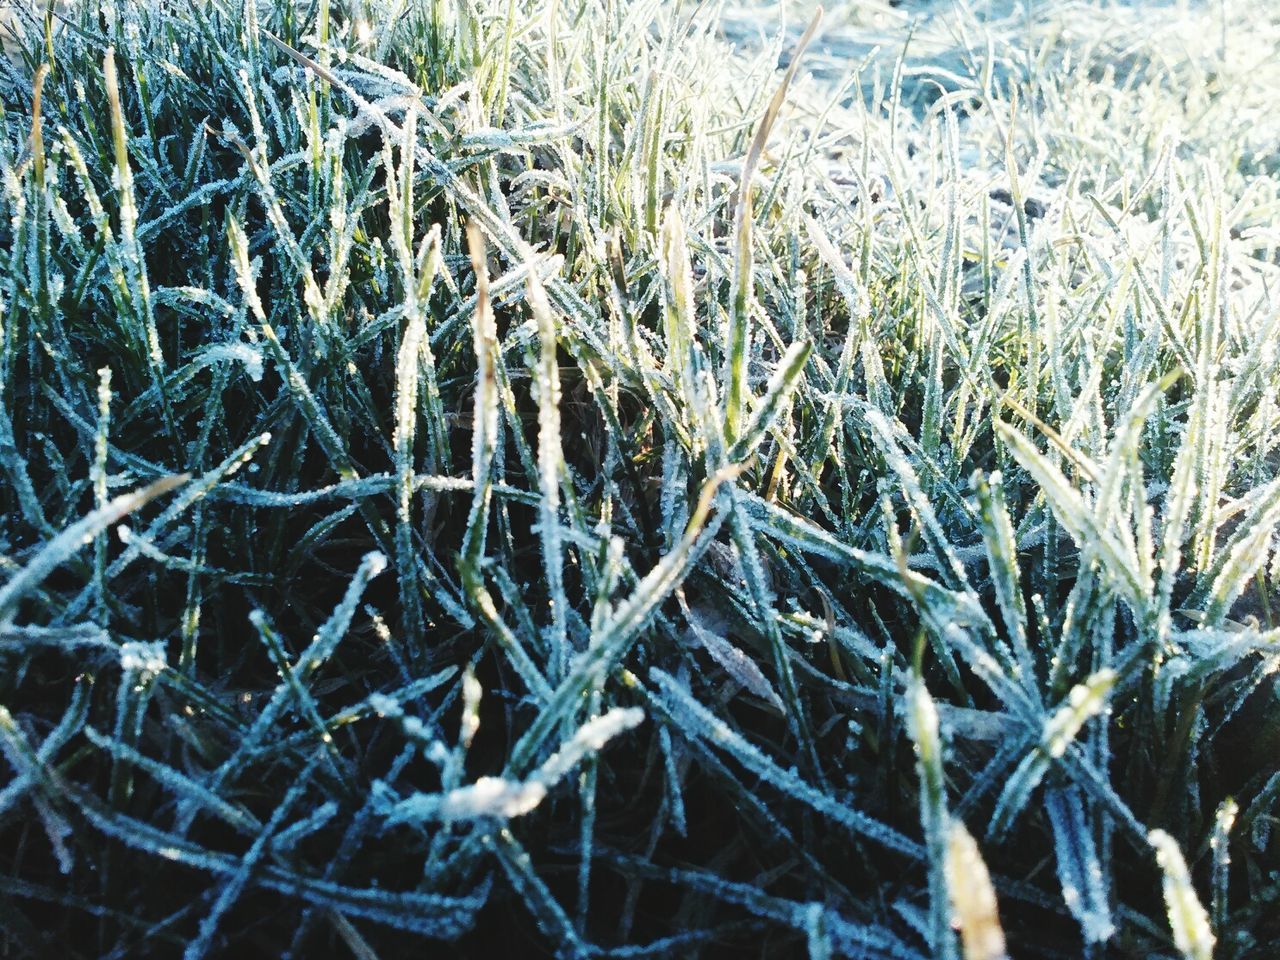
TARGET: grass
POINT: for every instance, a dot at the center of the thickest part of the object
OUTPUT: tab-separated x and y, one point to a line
602	479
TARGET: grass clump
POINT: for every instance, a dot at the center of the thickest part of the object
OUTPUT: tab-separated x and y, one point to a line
537	476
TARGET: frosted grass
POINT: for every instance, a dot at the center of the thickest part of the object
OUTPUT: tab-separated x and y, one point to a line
639	478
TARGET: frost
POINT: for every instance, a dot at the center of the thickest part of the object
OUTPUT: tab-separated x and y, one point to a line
1085	700
143	658
503	798
488	797
248	356
1079	869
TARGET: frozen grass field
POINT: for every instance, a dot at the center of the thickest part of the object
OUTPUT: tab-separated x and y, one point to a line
631	478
